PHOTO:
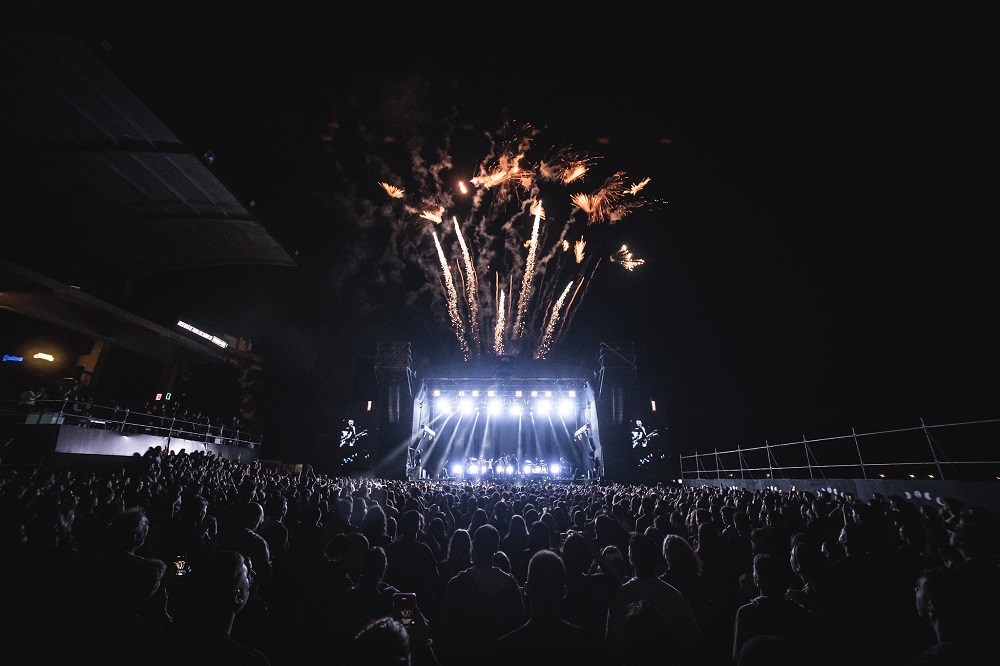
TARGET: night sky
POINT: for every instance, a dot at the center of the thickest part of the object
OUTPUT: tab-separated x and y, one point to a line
819	243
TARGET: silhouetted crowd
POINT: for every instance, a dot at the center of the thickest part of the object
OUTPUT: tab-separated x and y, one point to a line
190	558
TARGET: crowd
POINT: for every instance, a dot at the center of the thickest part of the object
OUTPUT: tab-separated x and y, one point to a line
190	558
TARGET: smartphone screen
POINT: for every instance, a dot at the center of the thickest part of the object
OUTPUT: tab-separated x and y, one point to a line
404	605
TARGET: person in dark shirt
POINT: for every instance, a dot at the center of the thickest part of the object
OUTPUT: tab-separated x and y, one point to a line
546	638
213	594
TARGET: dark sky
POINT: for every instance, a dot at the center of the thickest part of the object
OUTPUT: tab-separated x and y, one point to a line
819	239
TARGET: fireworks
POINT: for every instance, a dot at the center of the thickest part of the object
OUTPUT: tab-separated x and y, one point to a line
512	222
626	259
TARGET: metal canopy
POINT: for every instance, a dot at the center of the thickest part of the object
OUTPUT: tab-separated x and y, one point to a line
89	171
98	191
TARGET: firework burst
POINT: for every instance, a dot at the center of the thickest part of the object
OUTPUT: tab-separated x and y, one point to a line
501	236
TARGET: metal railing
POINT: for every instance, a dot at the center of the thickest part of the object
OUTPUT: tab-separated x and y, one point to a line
953	451
124	420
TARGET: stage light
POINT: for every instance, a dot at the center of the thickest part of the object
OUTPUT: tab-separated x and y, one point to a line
456	469
555	469
543	406
566	407
494	406
534	394
491	393
516	409
510	469
443	405
518	394
436	393
466	405
571	393
473	469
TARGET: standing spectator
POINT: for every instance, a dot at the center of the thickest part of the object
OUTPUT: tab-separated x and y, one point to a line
33	588
241	535
214	594
591	584
771	614
118	602
516	538
947	600
645	585
459	556
480	605
370	598
539	538
684	572
547	638
412	566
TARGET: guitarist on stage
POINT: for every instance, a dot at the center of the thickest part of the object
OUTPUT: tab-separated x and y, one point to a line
349	435
639	435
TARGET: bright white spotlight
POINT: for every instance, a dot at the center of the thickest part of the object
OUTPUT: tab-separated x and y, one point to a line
456	469
516	409
543	406
443	405
494	406
473	468
555	469
510	469
566	407
466	405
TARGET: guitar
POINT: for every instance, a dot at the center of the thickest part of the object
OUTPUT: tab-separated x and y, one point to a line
350	439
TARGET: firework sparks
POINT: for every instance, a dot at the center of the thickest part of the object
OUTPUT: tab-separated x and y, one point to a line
551	263
471	286
501	324
392	190
626	259
433	216
543	348
529	272
452	294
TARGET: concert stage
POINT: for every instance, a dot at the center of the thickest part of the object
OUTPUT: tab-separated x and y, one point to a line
506	422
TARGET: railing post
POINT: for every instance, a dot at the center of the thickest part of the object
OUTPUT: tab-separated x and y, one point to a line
930	443
743	466
770	467
718	466
857	446
809	464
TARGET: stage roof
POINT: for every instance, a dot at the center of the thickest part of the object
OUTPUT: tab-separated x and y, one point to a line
98	191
